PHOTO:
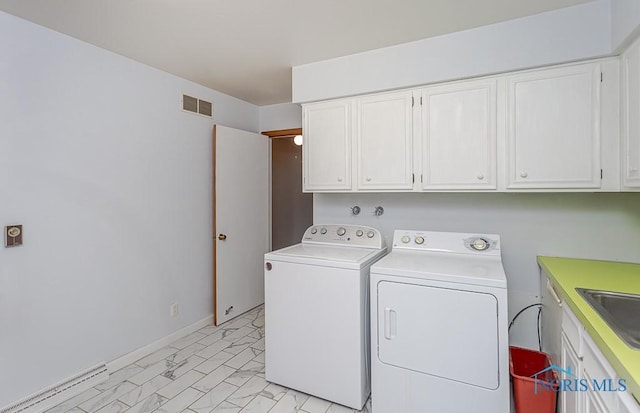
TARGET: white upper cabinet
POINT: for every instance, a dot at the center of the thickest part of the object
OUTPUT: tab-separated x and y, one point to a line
327	146
384	142
631	117
459	136
553	128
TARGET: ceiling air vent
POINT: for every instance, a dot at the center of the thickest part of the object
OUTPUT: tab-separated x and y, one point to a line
197	106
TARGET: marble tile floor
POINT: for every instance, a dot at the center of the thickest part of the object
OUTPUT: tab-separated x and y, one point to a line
214	370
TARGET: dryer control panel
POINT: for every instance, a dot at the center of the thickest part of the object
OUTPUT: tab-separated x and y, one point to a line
351	235
454	242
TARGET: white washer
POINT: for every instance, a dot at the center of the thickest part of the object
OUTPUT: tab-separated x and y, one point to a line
317	313
439	325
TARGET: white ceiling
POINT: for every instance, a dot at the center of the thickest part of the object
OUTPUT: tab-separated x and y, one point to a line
246	48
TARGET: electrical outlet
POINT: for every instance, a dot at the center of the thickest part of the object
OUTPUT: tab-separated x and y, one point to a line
173	310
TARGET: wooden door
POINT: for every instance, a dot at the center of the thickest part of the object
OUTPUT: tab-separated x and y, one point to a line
241	220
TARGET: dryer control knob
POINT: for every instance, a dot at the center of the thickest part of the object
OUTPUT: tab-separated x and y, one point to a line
359	233
405	239
419	240
323	231
314	230
479	244
371	234
341	231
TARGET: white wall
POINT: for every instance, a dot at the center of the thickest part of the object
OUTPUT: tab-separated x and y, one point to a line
564	35
597	226
280	116
112	182
625	23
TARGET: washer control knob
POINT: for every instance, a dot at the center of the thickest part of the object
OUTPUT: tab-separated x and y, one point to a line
341	231
370	234
323	231
359	233
479	244
405	239
314	230
419	240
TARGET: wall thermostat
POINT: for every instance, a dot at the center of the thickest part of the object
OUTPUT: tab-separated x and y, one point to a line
12	235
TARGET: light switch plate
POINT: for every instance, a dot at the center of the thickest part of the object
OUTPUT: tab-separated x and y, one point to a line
12	235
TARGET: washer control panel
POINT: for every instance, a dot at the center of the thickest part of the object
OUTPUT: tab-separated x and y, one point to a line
455	242
352	235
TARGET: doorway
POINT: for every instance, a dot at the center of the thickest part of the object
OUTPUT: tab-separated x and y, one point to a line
291	209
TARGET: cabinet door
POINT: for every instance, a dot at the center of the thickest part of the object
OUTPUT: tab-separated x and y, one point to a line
553	133
631	117
327	146
384	141
570	401
459	136
592	402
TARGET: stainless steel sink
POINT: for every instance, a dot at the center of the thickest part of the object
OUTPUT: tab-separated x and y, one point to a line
621	312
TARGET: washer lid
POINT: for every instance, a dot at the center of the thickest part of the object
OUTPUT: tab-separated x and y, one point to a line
326	255
455	268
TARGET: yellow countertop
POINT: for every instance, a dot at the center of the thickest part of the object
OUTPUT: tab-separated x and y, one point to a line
569	273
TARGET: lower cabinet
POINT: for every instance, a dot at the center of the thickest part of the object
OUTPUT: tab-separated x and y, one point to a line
570	401
587	368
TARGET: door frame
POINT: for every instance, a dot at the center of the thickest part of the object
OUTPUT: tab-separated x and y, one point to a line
215	231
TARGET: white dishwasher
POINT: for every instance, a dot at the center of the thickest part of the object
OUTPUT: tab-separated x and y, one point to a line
317	313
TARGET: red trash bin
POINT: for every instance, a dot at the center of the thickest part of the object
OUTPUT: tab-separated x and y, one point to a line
535	384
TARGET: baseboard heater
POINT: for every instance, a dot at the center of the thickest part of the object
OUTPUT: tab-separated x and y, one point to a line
58	393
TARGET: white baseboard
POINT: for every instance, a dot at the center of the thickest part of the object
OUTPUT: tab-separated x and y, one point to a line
136	355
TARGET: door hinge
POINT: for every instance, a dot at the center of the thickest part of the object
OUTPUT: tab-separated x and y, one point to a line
601	174
412	101
601	76
421	181
413	178
420	100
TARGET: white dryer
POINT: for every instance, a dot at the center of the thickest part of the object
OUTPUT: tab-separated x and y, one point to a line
439	325
317	313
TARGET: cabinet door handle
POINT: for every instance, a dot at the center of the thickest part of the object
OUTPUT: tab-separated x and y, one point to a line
554	293
523	174
340	179
480	177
